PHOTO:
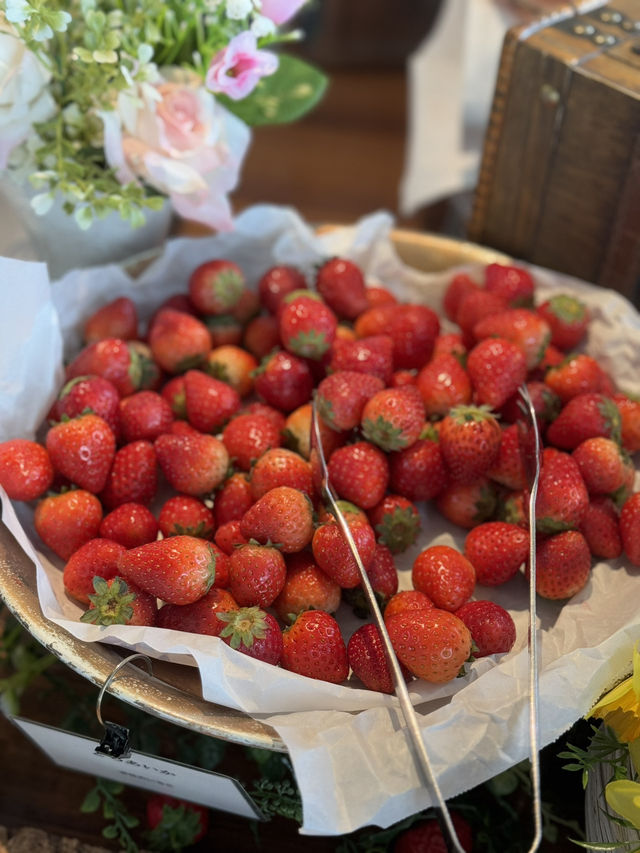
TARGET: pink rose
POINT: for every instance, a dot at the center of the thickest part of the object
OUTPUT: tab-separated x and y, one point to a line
236	70
174	136
280	10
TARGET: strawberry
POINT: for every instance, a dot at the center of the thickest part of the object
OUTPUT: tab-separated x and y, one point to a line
427	837
341	397
599	526
377	295
210	402
444	575
247	306
630	528
563	564
284	381
233	365
393	418
306	587
522	327
133	477
468	504
254	632
201	617
359	473
604	465
413	329
82	449
496	367
232	499
368	661
173	392
297	431
178	570
216	286
407	599
194	464
144	415
89	392
546	405
248	436
257	407
492	628
513	283
280	467
96	558
116	319
228	536
26	471
66	521
122	363
551	358
224	329
629	409
383	577
178	341
341	284
418	473
116	602
562	494
473	307
459	287
568	319
333	555
509	467
370	354
283	516
307	326
175	824
261	336
496	550
374	321
403	378
576	374
184	515
450	343
276	283
585	416
313	646
443	383
433	644
396	521
470	439
130	525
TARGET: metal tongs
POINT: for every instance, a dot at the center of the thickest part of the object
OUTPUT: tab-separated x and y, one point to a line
531	451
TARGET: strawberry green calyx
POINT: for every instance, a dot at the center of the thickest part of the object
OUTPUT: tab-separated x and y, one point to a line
398	529
384	434
66	388
326	411
611	417
568	308
142	369
475	414
211	569
309	344
227	287
243	626
301	291
112	603
550	525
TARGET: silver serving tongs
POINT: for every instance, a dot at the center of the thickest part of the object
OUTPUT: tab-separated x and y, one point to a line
416	742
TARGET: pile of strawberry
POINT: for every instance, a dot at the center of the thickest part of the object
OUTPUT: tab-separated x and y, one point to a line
176	469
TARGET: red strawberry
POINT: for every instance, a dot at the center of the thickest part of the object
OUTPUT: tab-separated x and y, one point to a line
178	570
496	367
247	306
130	524
259	408
600	528
367	659
194	464
313	646
629	409
470	439
306	587
524	328
433	644
256	575
175	823
276	283
585	416
450	343
492	628
178	341
473	307
89	392
630	528
248	436
496	550
407	599
284	381
26	471
563	564
418	473
201	617
116	602
426	837
468	504
144	415
133	477
374	321
283	516
116	319
122	363
184	515
413	329
443	384
66	521
370	354
307	326
459	287
216	286
513	283
379	296
280	467
393	418
253	632
567	318
232	499
509	468
96	558
224	329
383	577
359	473
341	397
403	378
546	404
233	365
82	449
562	494
342	286
396	521
261	336
173	392
577	374
297	432
228	536
333	555
603	464
210	402
444	575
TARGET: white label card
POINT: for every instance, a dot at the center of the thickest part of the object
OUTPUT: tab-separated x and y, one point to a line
139	770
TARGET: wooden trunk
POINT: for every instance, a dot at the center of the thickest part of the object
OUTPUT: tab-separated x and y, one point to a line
559	184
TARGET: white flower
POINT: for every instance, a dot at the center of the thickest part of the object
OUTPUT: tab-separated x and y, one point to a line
239	9
262	26
24	96
18	11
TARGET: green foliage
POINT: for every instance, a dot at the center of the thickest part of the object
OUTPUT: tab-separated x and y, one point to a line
278	798
603	748
23	658
178	828
106	795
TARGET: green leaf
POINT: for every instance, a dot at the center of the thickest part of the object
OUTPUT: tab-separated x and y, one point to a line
91	802
110	831
294	89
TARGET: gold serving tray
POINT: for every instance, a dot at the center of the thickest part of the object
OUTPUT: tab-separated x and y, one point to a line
173	693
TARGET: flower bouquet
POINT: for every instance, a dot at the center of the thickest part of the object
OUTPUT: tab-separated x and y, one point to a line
115	105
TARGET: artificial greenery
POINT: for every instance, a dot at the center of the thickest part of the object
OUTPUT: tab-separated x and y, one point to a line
107	795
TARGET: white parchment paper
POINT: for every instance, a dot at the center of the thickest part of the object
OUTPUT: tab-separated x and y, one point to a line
347	744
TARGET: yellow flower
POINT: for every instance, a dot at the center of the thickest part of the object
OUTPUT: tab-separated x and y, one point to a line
620	708
624	797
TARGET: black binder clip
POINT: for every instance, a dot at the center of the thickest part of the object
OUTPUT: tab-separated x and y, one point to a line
115	741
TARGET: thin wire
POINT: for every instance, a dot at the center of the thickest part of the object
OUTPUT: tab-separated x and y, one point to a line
112	677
